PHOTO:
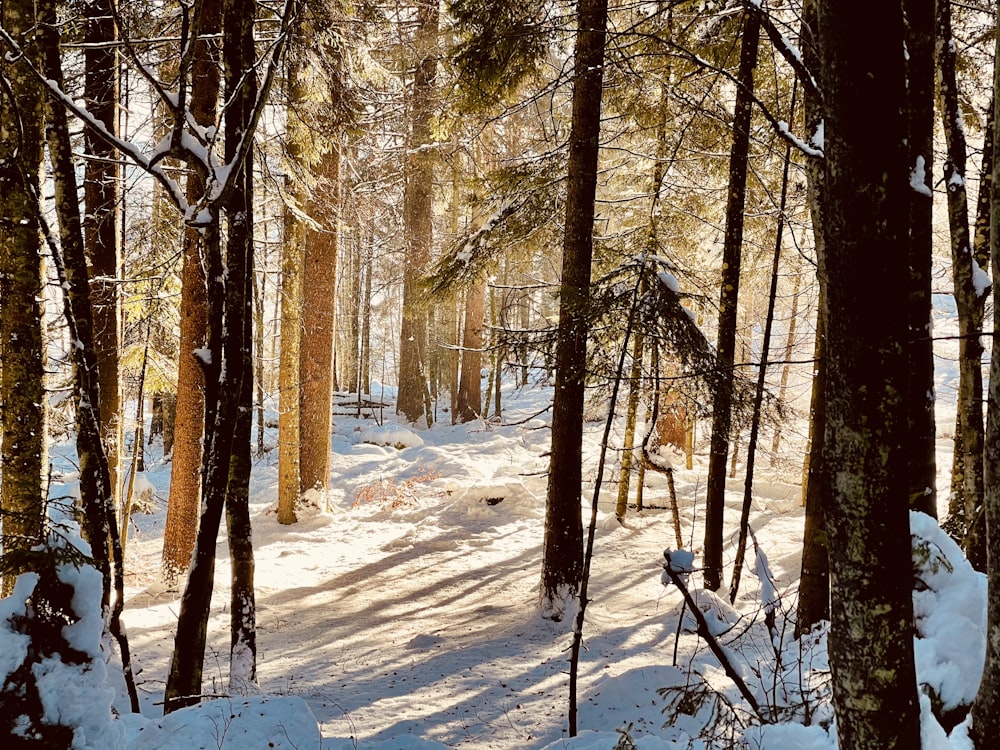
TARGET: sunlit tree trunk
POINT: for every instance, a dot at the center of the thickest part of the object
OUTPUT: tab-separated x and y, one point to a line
22	339
970	291
470	396
185	469
417	207
319	299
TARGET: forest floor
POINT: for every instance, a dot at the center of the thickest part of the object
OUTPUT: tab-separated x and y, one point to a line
404	611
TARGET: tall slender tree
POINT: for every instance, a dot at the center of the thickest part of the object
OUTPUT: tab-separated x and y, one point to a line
102	198
412	402
732	250
562	547
185	469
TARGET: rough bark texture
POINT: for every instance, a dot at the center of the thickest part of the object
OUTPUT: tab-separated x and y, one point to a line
228	400
417	207
22	394
185	470
986	708
562	547
319	304
726	341
292	253
866	226
101	192
814	581
920	439
469	405
969	302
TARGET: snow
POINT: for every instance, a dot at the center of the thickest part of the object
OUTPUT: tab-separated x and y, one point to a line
918	177
402	612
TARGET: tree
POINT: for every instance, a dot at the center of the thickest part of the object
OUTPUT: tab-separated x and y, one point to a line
22	353
986	707
920	439
101	196
316	373
185	470
814	579
865	225
412	402
469	405
732	250
562	546
971	287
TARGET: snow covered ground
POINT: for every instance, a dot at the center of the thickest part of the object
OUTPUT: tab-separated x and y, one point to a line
401	614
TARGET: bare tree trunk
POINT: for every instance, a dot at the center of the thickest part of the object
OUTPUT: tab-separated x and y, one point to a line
971	287
185	470
22	347
562	547
715	501
921	464
865	225
470	394
100	221
319	298
417	211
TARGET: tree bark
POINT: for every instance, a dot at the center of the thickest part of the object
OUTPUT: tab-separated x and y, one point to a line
970	290
101	195
920	438
183	506
562	546
228	399
865	225
319	300
470	395
715	501
986	707
22	340
417	214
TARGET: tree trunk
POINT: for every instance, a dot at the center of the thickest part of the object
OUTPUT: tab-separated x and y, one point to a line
562	547
970	290
319	300
920	437
417	214
715	501
814	581
865	458
100	222
986	708
22	343
226	367
185	471
470	393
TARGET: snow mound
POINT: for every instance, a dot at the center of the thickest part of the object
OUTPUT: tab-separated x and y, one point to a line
282	723
394	435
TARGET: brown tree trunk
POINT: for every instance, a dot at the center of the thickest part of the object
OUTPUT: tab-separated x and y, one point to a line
417	208
185	471
986	708
319	299
470	395
970	291
22	352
